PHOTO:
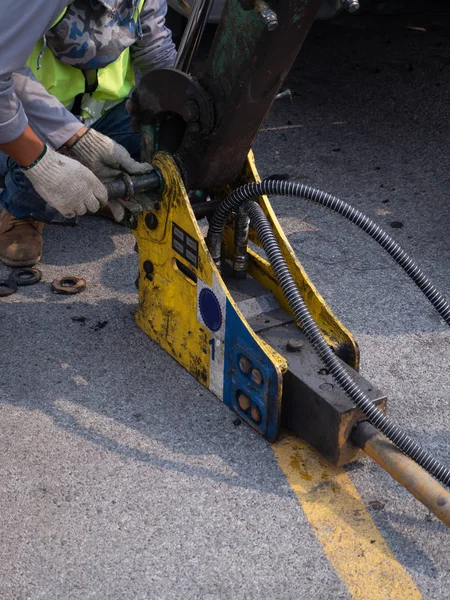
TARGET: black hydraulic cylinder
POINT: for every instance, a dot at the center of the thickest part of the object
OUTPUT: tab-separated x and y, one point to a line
126	187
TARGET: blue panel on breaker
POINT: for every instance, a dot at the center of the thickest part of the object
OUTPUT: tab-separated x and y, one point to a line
263	396
210	309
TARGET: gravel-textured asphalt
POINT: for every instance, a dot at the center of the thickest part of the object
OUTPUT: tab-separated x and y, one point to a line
120	476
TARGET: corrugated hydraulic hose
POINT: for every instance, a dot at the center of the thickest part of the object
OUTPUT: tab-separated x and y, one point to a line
289	188
287	284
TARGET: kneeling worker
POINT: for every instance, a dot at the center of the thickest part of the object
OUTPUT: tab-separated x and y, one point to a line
66	69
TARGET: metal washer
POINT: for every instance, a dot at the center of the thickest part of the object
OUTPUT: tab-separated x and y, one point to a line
68	284
7	287
25	276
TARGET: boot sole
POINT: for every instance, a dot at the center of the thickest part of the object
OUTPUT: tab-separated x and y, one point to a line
20	263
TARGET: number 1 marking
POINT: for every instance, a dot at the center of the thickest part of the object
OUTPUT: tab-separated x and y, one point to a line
212	343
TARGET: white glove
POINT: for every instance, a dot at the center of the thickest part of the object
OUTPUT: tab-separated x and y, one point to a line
66	184
107	159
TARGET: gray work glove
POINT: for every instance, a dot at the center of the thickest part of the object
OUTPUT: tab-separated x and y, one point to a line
66	184
107	159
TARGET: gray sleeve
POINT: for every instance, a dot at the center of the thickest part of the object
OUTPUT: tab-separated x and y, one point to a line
22	24
155	50
48	118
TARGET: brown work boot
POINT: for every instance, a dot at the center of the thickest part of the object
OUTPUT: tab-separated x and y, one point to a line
20	241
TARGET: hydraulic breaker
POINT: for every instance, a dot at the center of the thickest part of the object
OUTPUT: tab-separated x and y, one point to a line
252	329
233	334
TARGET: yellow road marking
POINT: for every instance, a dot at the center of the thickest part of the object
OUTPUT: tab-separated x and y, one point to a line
343	525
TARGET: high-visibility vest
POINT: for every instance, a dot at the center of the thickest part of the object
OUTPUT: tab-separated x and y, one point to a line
115	81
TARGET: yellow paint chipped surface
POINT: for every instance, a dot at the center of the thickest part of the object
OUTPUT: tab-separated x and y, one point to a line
343	525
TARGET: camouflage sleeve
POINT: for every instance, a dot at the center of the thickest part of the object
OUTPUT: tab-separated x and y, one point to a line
155	49
22	24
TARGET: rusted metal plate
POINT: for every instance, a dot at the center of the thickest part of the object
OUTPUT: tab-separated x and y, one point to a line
245	69
209	122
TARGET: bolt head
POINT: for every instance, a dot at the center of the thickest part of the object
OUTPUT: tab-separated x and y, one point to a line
270	19
257	377
151	221
244	402
351	5
256	414
294	345
148	267
245	364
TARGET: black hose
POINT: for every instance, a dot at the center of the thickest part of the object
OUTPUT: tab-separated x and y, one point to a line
289	188
302	315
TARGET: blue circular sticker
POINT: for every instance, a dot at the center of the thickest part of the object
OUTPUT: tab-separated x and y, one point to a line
210	309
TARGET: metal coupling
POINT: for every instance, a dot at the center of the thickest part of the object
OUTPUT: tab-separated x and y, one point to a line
240	256
268	16
125	187
351	6
270	19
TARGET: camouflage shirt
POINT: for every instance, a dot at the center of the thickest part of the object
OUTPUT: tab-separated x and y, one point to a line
91	35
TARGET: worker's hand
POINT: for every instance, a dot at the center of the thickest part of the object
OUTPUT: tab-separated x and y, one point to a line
105	157
66	184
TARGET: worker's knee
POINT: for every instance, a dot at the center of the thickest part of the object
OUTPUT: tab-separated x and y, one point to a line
18	196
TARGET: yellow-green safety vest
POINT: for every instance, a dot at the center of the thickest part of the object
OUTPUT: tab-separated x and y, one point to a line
115	81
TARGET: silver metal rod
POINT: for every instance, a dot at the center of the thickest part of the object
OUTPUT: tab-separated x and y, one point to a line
240	256
192	34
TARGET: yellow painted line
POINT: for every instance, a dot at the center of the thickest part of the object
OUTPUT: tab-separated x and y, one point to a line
343	525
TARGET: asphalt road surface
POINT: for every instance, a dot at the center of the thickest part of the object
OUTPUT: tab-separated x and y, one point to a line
122	478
